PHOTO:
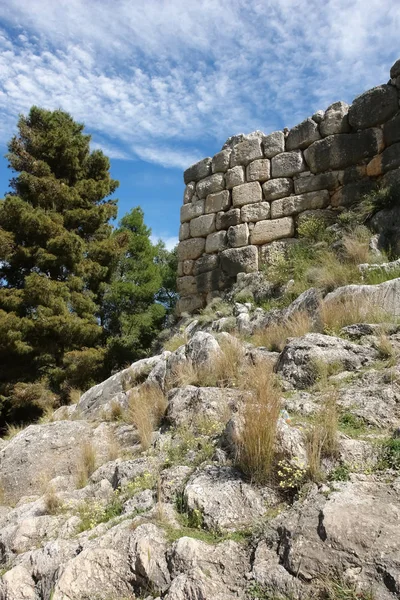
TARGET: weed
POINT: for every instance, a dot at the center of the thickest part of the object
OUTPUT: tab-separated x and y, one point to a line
346	311
175	342
340	473
12	431
74	395
52	502
187	447
390	454
322	436
86	464
146	407
313	229
351	425
291	476
387	351
356	245
116	411
92	513
275	336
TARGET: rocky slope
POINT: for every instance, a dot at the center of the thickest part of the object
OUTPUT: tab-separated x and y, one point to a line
96	507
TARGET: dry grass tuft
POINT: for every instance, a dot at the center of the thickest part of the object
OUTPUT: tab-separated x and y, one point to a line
275	336
356	245
387	351
116	411
12	431
348	311
175	342
74	395
322	437
256	443
86	464
52	502
147	406
332	272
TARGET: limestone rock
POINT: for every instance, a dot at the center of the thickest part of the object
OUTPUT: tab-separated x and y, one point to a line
268	231
216	202
202	226
391	157
335	119
192	210
206	263
245	152
247	193
184	232
274	143
188	404
216	242
385	295
277	188
237	260
324	181
210	185
191	249
234	176
258	170
295	204
198	171
201	348
186	285
395	70
373	107
259	211
288	164
189	192
391	130
220	161
302	135
238	235
228	219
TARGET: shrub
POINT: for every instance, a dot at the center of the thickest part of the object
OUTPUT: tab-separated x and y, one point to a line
313	229
146	407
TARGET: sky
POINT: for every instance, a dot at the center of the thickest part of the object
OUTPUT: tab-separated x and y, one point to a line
160	84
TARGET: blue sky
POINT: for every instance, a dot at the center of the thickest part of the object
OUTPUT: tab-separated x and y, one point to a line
162	83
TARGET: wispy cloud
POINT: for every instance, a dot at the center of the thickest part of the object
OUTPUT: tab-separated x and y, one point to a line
161	81
169	241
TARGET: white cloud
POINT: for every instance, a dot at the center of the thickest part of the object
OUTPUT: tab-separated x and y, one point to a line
169	241
157	80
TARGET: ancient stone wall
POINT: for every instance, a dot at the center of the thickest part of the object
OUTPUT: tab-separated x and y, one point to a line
247	200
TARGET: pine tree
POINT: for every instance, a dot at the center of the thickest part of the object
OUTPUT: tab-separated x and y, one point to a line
57	255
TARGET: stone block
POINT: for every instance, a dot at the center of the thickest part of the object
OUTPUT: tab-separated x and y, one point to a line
273	144
239	260
255	212
391	158
373	107
220	162
238	235
247	193
351	193
391	131
374	167
258	170
277	188
202	226
352	174
186	285
216	242
205	263
228	219
272	253
296	204
184	232
268	231
190	304
245	152
192	210
312	183
391	178
191	249
210	185
335	119
344	150
302	135
234	177
210	281
179	270
395	70
198	171
288	164
189	192
188	266
217	202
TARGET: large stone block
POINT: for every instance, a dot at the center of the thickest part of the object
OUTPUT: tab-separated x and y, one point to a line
302	135
250	213
216	242
288	164
391	130
189	192
234	176
296	204
192	210
273	144
277	188
217	202
205	263
312	183
335	119
391	178
395	70
245	152
228	219
190	304
344	150
198	171
238	235
268	231
374	107
239	260
184	232
247	193
210	185
191	249
209	281
258	170
391	158
202	226
220	162
186	286
351	193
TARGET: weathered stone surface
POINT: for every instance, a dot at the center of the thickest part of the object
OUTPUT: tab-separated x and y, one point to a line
220	162
189	192
238	235
344	150
216	242
245	152
324	181
227	219
189	404
391	131
201	348
192	210
288	164
186	285
191	249
210	185
335	119
210	281
247	193
373	107
234	177
274	143
190	304
205	263
391	158
295	204
216	202
198	171
277	188
238	260
268	231
348	194
255	212
258	170
302	135
224	499
395	70
385	295
187	268
18	584
202	226
184	232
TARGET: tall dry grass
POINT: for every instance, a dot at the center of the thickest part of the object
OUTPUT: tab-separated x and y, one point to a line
146	407
347	311
322	436
86	464
274	336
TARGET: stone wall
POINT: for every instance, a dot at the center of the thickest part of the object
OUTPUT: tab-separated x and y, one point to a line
249	198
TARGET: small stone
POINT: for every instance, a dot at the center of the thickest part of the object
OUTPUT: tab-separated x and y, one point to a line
277	188
247	193
274	143
258	170
220	162
228	219
268	231
210	185
217	202
216	242
238	235
198	171
234	177
288	164
255	212
245	152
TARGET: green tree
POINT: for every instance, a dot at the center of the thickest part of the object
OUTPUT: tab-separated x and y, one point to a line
167	260
57	255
